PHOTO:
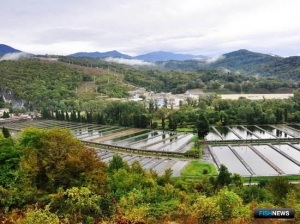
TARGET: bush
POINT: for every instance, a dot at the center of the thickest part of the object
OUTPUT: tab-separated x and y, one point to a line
205	171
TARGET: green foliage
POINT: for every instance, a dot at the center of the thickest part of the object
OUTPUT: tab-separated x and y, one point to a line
39	216
41	83
116	163
279	188
202	125
9	162
255	193
5	115
54	158
81	204
5	132
206	210
230	204
223	178
237	180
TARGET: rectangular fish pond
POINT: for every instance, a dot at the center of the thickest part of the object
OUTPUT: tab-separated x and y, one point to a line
229	159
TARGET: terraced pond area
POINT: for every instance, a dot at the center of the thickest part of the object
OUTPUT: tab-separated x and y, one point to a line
246	159
132	138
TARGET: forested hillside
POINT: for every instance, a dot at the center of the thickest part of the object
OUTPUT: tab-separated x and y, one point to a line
39	83
155	79
251	63
246	63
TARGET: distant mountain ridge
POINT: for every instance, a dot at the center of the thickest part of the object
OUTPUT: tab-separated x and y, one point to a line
5	49
241	61
166	56
245	62
114	54
152	57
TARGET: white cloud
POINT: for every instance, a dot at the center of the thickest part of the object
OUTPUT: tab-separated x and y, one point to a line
13	56
214	59
132	62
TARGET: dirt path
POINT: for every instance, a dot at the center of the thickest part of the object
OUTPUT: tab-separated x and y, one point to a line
119	134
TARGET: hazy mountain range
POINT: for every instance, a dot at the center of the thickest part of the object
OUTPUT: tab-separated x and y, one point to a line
5	49
152	57
241	61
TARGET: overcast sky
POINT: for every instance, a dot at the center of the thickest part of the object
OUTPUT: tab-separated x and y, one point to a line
202	27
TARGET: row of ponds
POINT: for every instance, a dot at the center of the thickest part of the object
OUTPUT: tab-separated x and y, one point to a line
148	162
118	136
247	160
128	137
241	132
259	159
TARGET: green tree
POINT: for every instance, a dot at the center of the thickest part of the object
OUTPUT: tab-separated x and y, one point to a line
54	158
297	96
5	132
202	125
206	210
5	115
172	122
279	188
9	162
230	204
224	177
116	163
237	180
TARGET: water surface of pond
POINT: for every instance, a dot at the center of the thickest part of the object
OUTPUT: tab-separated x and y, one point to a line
226	133
274	131
228	158
279	160
212	135
243	133
260	133
257	164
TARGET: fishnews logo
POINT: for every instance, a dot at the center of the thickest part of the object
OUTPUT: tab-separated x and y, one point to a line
274	213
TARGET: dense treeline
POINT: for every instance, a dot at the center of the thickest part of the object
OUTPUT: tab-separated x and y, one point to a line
48	176
217	111
106	112
179	82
